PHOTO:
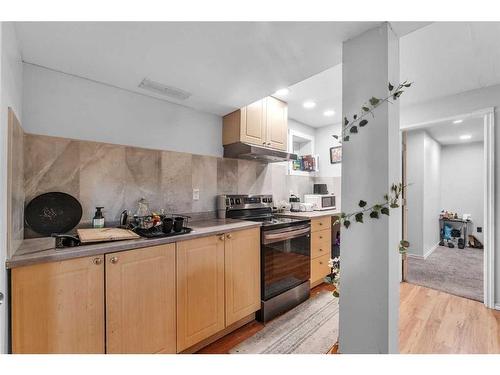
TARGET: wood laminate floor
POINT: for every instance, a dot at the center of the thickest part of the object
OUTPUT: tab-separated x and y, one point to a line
430	322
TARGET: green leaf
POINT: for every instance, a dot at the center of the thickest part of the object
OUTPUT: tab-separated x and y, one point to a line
336	294
353	129
404	243
347	223
346	121
374	101
359	217
377	207
394	205
407	85
391	87
355	117
386	197
385	211
366	109
328	279
363	122
362	203
374	214
346	138
335	136
342	214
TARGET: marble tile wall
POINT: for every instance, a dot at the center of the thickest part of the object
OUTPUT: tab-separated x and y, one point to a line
15	203
116	177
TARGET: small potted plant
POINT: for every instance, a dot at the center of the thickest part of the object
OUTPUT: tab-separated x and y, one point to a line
333	278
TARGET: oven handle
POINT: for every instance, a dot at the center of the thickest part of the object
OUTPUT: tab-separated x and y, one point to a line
283	236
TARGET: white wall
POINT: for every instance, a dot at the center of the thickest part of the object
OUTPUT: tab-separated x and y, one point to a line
465	102
432	193
424	204
462	181
66	106
369	295
415	177
10	96
324	141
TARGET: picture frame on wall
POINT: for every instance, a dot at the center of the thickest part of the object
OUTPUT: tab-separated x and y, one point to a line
335	155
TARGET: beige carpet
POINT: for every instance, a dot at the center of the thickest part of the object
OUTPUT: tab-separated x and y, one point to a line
455	271
310	328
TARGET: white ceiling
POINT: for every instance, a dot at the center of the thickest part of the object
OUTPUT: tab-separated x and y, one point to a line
225	65
446	58
325	89
448	133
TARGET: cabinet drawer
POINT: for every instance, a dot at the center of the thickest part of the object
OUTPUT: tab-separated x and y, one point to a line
319	268
321	223
321	243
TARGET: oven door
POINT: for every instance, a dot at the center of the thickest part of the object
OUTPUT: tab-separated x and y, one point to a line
286	259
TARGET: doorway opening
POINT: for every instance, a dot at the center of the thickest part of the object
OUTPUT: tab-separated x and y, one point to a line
448	205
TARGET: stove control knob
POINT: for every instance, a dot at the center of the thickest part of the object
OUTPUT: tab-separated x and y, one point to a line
238	201
231	201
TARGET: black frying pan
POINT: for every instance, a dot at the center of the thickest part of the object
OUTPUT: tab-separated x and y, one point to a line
54	212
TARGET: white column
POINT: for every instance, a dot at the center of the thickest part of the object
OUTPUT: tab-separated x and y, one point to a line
369	296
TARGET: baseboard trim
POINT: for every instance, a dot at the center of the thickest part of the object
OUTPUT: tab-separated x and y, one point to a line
497	306
429	252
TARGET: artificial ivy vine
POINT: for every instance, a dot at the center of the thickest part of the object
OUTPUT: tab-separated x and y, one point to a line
391	200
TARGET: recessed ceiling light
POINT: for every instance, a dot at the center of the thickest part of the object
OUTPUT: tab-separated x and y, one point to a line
282	92
309	104
329	113
458	121
465	136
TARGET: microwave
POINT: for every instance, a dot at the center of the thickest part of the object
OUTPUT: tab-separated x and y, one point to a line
321	201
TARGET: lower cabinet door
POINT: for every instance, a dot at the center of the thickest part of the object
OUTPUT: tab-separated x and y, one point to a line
200	289
58	307
319	268
140	301
242	274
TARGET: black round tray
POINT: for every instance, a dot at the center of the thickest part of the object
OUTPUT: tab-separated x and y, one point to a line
157	232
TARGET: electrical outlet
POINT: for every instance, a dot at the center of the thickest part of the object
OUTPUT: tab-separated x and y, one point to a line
196	194
479	229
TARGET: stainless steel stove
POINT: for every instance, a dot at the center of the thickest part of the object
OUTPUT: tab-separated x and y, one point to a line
285	251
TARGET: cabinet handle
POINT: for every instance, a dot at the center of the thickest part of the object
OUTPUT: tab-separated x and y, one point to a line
320	223
114	260
320	262
320	237
229	236
320	249
263	143
221	238
97	261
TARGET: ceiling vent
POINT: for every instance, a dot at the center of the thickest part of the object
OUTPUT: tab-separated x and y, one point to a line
164	90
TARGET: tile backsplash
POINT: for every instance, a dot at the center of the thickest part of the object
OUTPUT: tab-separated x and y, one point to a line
116	177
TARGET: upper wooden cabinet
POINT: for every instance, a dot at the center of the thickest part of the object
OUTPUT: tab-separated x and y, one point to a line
58	307
242	274
140	301
263	123
200	289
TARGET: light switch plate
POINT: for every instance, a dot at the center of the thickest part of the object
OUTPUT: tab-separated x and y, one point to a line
196	194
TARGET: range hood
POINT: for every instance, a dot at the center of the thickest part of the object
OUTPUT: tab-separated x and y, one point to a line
240	150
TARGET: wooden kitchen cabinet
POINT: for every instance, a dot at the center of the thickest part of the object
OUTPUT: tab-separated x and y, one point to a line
321	248
276	123
58	307
140	301
242	274
200	289
263	123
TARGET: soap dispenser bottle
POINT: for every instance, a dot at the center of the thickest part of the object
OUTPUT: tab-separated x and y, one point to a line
98	220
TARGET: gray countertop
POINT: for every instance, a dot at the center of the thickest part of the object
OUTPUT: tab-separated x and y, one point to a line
41	250
310	214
